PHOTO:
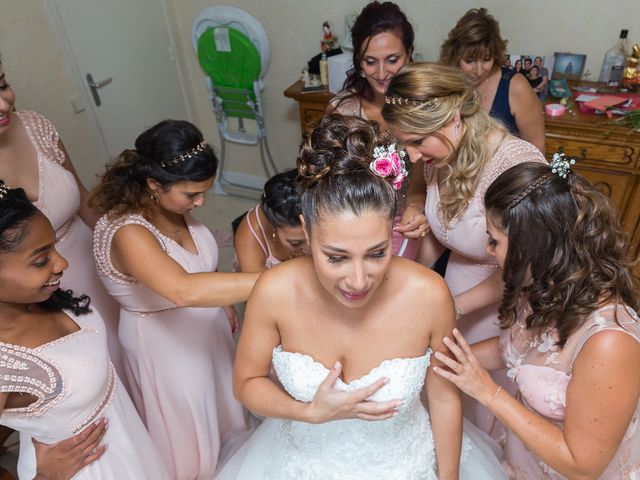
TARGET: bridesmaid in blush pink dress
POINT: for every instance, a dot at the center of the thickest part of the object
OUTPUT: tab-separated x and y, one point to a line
571	332
160	264
33	157
56	379
463	151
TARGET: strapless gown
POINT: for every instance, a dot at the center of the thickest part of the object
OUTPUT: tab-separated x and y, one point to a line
399	448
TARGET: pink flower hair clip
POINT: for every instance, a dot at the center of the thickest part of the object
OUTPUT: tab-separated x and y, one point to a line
389	163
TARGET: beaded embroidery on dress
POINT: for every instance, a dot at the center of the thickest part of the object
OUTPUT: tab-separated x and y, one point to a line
398	448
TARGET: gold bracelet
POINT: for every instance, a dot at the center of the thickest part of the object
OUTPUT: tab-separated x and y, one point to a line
494	395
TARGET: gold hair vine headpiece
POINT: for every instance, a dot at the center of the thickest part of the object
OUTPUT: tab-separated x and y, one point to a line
394	100
3	190
186	155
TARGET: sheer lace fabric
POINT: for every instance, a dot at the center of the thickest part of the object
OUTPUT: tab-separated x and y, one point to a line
543	372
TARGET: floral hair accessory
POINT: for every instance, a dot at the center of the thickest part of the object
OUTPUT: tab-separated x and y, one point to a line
561	165
3	190
416	102
387	162
186	155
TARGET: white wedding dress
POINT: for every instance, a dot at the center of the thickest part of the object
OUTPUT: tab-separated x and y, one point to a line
400	448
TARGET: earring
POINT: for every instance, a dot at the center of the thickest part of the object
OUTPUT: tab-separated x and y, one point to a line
154	197
362	74
273	236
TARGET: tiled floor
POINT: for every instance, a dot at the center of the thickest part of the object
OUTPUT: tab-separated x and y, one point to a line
217	214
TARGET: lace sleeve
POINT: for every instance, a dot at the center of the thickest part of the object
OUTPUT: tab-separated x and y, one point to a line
103	234
44	135
21	371
512	152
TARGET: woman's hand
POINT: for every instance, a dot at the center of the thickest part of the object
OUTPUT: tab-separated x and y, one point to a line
62	460
332	404
465	370
414	223
233	318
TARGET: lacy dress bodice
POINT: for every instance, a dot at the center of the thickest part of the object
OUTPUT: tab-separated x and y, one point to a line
58	192
401	447
70	393
543	371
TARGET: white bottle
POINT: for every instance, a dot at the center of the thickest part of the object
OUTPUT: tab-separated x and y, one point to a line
324	70
613	63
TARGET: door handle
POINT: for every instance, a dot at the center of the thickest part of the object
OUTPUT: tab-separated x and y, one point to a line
94	86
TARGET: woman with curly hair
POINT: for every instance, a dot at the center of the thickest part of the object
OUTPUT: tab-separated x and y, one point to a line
570	332
476	47
350	330
160	263
436	114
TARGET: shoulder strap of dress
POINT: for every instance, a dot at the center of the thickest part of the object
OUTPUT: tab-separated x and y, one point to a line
600	323
264	243
43	135
103	234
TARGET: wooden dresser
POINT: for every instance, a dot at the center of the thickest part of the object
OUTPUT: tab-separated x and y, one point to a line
610	160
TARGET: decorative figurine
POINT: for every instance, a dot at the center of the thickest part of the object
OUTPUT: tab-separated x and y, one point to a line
329	40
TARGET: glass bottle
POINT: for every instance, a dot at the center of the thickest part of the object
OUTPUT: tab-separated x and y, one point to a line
613	63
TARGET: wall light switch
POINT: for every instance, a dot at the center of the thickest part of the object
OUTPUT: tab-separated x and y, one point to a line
77	103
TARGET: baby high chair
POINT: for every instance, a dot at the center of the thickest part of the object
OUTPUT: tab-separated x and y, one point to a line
233	51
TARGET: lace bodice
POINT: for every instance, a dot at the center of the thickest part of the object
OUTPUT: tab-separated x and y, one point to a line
132	295
58	192
401	447
53	374
466	234
543	372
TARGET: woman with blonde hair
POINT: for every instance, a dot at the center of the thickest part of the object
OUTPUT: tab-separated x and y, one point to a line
433	110
476	47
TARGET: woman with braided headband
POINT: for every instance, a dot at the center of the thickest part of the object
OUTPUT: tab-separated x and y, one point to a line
570	332
158	261
437	115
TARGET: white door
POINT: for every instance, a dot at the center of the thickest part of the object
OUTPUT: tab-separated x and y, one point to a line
128	42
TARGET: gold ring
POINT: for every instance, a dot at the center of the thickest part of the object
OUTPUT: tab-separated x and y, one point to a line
422	234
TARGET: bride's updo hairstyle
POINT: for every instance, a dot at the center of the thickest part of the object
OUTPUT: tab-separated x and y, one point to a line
170	152
333	168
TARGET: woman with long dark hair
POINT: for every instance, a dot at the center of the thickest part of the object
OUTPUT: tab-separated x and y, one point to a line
160	263
570	329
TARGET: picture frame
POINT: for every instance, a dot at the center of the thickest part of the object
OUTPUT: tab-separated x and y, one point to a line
568	66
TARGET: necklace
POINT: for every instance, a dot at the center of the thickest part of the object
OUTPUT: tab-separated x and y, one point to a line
172	232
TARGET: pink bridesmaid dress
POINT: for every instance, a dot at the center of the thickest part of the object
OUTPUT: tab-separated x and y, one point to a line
59	200
542	373
179	361
469	263
75	385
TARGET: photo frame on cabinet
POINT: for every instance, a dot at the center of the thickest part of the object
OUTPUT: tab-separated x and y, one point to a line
568	65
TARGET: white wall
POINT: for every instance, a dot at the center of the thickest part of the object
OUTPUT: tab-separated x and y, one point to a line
36	68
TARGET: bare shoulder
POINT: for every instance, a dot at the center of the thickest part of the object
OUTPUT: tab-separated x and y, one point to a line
284	281
611	346
420	282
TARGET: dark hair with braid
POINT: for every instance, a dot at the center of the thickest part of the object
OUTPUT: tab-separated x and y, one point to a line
334	173
567	250
281	199
123	187
374	18
16	215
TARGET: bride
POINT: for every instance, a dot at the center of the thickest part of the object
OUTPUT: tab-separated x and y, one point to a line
350	331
